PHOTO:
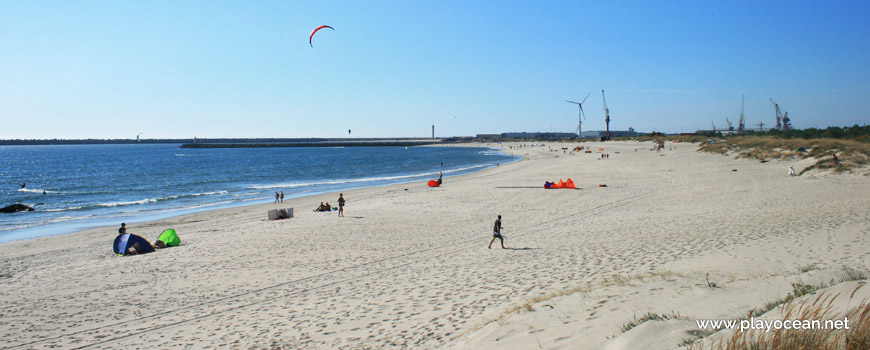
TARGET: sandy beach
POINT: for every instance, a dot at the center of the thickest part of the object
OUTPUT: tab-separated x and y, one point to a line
408	265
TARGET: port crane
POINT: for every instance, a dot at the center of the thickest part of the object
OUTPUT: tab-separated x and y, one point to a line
741	124
606	117
782	120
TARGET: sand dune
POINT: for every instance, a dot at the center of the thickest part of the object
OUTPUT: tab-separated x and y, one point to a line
408	265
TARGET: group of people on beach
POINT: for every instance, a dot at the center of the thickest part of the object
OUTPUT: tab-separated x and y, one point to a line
279	197
327	207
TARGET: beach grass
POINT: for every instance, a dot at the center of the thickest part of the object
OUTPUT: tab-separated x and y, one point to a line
651	316
820	308
852	154
607	281
846	274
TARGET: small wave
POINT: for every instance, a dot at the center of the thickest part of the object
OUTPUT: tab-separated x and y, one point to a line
245	194
36	190
56	220
121	204
137	202
61	209
362	180
208	193
337	182
466	168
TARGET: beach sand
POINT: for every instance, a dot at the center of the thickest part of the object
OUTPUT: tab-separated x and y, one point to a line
408	265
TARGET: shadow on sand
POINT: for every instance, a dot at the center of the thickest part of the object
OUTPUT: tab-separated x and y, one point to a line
537	187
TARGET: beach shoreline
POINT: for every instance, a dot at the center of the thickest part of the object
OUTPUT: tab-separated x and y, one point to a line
156	206
408	265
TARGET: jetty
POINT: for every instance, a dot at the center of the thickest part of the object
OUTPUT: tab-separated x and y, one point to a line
323	143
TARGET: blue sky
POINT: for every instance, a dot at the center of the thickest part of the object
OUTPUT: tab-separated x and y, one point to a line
179	69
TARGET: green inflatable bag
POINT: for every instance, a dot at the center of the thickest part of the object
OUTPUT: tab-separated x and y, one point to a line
169	238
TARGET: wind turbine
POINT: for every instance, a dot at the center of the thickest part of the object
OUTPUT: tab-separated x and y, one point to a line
581	116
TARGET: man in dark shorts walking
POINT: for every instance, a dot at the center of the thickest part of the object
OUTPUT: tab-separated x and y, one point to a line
496	233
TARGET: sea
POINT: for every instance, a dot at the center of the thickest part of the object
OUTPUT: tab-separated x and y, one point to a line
75	187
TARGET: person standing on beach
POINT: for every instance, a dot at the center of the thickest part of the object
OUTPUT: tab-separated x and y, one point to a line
276	197
340	204
123	229
282	196
496	233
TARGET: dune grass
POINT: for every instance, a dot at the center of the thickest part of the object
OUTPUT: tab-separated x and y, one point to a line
651	316
854	338
852	154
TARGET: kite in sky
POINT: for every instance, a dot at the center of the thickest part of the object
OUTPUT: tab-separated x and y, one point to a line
315	31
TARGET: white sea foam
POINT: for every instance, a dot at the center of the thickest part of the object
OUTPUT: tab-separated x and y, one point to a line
362	180
36	190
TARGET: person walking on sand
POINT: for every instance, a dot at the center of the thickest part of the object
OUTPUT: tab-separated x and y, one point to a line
340	204
496	233
282	196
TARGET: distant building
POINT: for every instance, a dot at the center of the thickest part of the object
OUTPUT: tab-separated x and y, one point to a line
528	135
488	136
613	133
539	135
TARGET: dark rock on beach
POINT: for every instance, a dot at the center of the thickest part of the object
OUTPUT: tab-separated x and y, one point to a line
15	208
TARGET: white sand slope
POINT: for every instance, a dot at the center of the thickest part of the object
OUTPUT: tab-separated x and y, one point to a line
408	265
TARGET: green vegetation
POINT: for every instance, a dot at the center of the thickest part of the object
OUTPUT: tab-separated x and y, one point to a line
810	313
855	132
852	154
650	316
856	337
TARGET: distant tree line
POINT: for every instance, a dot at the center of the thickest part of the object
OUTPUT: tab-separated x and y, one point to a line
855	132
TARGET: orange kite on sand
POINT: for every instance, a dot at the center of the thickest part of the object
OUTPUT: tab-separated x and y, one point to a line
560	184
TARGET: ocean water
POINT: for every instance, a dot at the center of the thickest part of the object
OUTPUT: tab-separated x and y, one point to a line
73	187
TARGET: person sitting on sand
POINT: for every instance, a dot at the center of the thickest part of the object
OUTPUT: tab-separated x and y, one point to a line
328	207
283	214
440	175
123	229
790	171
322	207
836	160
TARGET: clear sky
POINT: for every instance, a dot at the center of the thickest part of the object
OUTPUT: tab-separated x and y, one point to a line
179	69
